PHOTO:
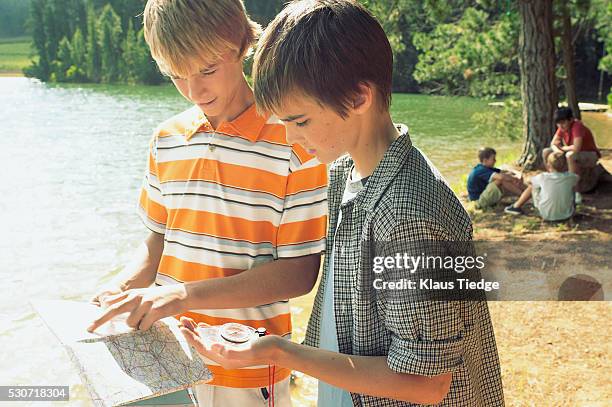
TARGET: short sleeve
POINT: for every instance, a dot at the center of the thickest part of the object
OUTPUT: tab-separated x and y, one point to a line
151	207
303	222
427	336
485	174
536	180
577	130
438	349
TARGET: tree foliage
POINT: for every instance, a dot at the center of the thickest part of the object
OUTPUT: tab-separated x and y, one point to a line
603	24
453	47
110	34
475	56
90	41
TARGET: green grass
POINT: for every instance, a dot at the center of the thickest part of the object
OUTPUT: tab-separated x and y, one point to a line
14	54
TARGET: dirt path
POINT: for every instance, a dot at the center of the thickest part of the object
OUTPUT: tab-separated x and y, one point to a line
554	353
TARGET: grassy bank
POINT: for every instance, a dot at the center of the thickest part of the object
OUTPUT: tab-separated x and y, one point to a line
14	55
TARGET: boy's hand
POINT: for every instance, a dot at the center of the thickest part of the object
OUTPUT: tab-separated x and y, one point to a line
145	305
262	352
100	299
557	148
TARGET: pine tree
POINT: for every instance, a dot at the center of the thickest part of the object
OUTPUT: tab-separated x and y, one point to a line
109	25
41	68
93	48
78	15
78	55
63	61
148	72
538	87
130	55
51	29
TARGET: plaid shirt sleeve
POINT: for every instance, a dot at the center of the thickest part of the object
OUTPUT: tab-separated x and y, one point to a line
426	335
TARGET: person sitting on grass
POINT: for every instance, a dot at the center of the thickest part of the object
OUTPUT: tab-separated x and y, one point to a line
487	184
576	141
552	191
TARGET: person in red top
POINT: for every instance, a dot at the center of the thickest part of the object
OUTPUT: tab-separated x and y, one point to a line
575	140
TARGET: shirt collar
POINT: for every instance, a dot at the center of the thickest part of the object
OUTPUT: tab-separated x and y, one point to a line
392	162
247	125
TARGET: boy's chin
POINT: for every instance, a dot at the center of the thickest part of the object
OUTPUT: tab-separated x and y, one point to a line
210	111
207	112
325	159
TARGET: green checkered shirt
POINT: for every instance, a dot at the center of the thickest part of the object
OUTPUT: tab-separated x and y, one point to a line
404	200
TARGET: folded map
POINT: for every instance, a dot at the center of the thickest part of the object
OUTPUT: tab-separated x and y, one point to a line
120	365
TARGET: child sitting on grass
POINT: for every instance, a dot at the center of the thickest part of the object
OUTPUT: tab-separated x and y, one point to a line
487	185
552	191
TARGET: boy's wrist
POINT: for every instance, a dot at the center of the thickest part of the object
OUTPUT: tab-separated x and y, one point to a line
192	291
282	351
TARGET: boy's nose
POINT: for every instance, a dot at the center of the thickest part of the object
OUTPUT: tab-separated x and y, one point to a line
196	90
290	134
295	136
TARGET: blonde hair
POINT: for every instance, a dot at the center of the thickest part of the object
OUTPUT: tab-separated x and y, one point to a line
187	35
556	160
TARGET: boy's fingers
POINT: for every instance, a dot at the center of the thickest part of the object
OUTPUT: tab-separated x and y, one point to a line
188	323
187	333
108	315
114	298
192	339
136	316
148	320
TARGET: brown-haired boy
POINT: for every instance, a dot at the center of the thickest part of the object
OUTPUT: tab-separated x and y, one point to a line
552	191
487	184
324	67
237	215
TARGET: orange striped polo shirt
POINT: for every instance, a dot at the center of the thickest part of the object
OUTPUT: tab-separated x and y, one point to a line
229	199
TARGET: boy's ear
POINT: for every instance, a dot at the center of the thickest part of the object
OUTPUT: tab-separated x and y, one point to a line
363	98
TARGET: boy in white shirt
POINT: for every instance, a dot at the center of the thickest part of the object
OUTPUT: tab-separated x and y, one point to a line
552	191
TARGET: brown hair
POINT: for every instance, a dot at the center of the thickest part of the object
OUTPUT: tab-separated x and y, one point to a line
556	160
187	35
485	153
322	49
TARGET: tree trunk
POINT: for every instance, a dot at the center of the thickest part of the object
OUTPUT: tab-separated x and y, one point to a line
568	62
537	66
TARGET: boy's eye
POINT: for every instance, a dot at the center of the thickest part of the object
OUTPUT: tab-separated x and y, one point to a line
302	124
174	77
208	71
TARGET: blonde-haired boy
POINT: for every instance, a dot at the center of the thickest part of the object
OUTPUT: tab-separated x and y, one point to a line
552	191
237	215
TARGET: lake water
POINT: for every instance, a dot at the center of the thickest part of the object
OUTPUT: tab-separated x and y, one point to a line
71	161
